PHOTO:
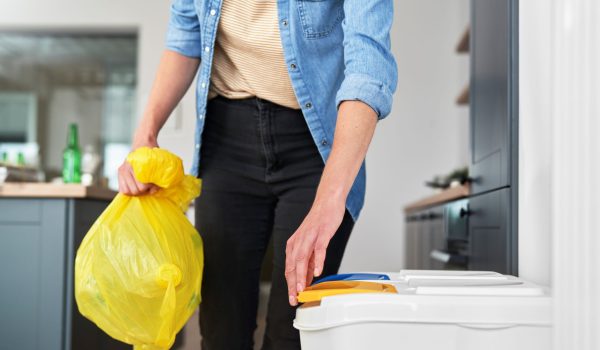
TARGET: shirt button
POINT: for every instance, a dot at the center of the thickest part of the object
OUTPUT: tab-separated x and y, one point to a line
284	22
203	85
207	49
200	116
213	12
197	145
308	105
324	142
293	66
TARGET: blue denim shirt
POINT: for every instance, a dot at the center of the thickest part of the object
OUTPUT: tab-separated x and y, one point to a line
335	50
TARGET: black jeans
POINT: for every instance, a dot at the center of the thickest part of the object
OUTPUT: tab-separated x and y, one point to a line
260	170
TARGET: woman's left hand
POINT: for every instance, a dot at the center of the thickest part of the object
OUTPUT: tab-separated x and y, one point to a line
306	249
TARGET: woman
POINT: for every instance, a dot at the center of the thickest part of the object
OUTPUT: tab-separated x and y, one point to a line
288	96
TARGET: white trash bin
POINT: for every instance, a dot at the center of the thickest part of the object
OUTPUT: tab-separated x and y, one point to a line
441	310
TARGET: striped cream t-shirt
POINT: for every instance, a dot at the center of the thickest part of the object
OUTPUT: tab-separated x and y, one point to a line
248	59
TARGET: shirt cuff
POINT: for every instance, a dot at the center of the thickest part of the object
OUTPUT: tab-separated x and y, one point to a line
184	42
361	87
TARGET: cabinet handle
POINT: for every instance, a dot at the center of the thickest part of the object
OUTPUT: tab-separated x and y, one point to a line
464	212
440	256
448	258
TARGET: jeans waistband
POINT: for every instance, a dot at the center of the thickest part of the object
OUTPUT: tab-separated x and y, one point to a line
256	102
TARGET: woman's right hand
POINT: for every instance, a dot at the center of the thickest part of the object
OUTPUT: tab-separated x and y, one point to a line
128	184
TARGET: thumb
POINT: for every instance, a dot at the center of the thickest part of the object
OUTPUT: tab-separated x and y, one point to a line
153	189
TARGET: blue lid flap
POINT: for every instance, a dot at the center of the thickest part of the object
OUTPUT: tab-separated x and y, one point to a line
354	277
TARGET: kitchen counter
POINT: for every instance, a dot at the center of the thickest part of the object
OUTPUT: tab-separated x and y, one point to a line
49	190
41	227
444	196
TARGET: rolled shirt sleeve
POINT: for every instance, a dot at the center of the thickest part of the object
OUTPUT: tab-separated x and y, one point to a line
370	73
183	34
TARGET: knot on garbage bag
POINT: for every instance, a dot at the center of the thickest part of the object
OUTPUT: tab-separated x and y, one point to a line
168	274
157	166
164	169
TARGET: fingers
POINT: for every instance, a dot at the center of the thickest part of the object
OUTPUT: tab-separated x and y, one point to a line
153	189
311	267
123	183
132	185
302	254
290	272
304	260
123	188
319	256
129	185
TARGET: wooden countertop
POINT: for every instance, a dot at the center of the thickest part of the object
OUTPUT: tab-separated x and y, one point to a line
439	198
49	190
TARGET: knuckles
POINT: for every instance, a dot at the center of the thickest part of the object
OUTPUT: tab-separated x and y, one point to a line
300	258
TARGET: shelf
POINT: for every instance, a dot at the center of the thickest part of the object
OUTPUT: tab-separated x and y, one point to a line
446	195
463	44
463	98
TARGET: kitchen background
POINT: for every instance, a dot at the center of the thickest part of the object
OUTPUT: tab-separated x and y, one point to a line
65	61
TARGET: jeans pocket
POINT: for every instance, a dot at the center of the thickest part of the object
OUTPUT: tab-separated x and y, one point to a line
320	17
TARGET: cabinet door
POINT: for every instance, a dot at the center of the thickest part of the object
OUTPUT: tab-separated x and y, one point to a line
32	260
489	232
493	84
83	334
438	237
411	242
424	242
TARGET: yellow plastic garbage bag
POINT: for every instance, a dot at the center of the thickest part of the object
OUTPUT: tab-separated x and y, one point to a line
139	268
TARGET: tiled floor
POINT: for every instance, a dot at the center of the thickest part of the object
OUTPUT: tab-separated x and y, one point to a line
191	338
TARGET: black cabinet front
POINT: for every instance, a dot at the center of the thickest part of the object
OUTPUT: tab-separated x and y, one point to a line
493	93
489	233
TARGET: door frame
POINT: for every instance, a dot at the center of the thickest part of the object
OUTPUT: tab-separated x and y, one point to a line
560	85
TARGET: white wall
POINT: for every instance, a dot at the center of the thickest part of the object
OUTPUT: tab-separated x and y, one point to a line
535	142
148	18
426	134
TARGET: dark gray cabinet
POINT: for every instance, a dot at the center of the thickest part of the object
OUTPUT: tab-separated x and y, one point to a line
494	135
493	93
38	241
491	248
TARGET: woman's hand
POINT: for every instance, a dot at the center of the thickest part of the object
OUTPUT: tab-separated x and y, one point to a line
306	249
127	182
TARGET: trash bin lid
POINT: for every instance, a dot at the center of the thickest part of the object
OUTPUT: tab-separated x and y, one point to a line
318	291
456	297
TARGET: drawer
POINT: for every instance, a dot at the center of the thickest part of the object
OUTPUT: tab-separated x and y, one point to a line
489	232
15	210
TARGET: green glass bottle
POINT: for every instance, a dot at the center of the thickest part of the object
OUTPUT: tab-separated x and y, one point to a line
71	172
21	159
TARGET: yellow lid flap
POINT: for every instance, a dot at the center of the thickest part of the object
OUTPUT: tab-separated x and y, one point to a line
324	289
